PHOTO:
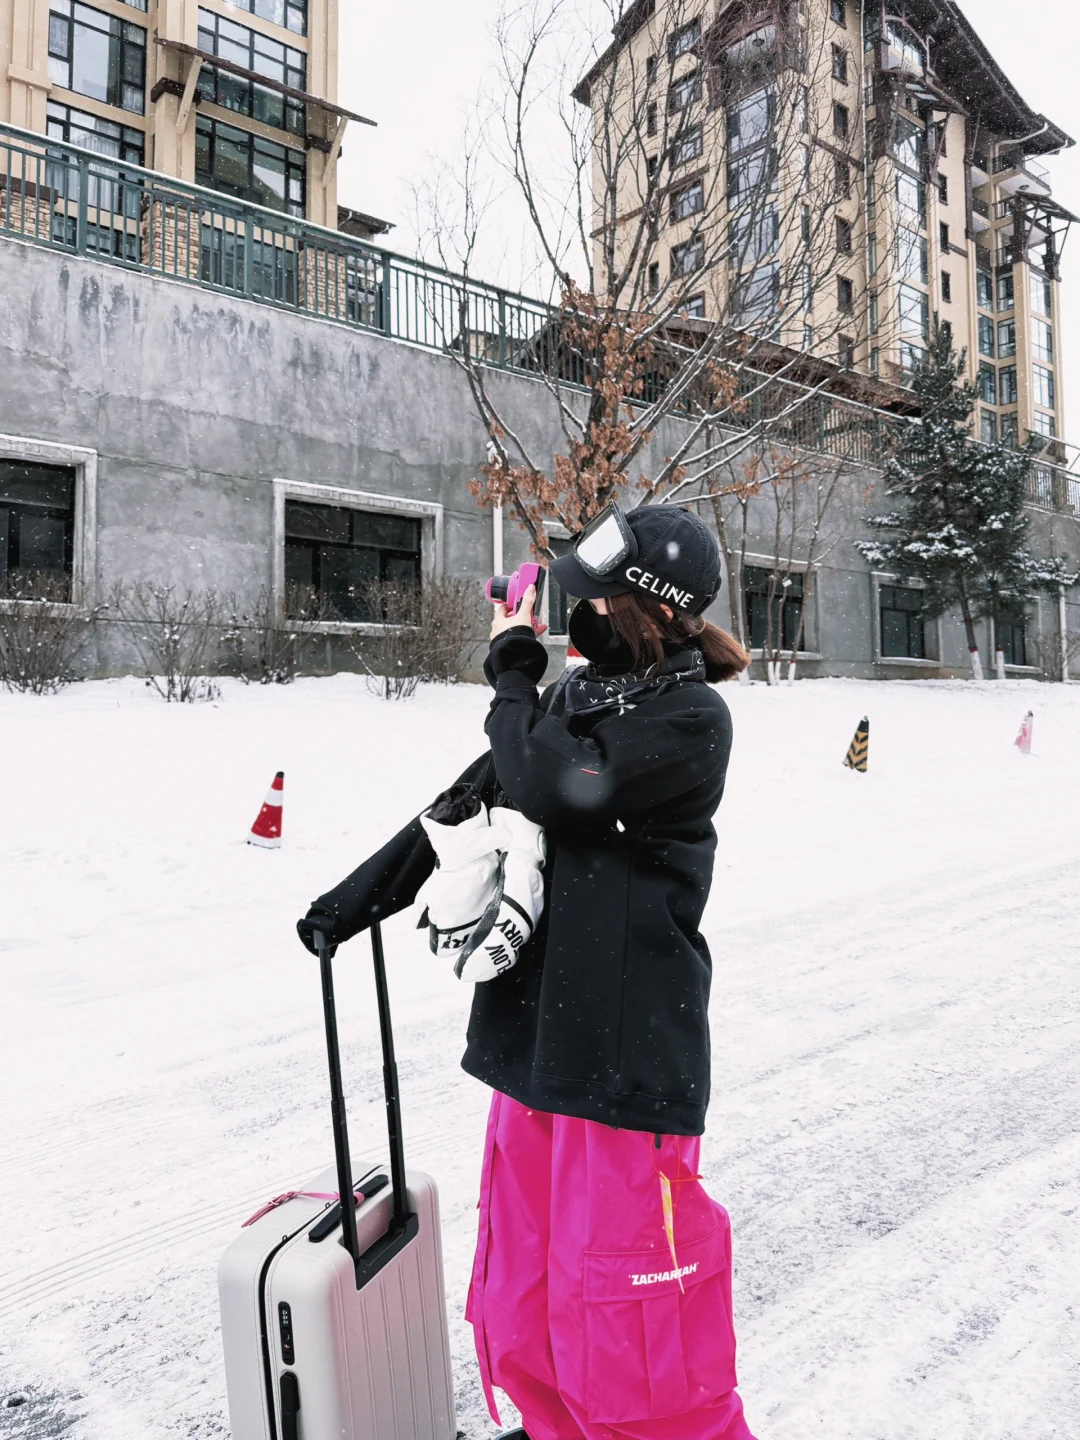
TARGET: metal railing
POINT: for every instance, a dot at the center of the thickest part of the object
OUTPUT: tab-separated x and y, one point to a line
80	202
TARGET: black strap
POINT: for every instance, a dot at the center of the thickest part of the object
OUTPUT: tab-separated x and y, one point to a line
290	1406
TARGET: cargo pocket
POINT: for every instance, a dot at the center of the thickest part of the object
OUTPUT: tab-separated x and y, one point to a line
653	1350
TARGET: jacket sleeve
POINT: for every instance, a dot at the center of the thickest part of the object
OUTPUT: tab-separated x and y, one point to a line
390	880
631	762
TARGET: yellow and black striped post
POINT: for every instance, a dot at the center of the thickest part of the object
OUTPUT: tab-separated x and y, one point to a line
859	749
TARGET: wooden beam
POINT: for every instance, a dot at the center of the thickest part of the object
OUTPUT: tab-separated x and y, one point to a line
183	115
330	159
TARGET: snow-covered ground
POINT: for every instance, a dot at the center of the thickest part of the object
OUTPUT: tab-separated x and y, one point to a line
896	1050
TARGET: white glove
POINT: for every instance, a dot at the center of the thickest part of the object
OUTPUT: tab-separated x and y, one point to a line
516	900
457	893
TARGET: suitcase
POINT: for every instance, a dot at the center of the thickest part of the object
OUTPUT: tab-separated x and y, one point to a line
334	1322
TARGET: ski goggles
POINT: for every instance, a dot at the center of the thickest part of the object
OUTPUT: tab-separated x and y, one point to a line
606	544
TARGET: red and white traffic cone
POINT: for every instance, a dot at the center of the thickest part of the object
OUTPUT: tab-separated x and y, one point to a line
267	828
1023	740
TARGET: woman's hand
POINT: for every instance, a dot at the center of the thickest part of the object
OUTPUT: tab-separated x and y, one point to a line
524	616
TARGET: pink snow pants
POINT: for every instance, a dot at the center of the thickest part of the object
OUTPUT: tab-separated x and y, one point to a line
575	1304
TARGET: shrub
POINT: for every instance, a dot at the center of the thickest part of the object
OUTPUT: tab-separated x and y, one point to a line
426	634
41	633
268	648
175	635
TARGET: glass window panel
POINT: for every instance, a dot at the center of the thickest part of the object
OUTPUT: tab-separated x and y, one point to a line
987	427
41	541
401	570
687	147
750	121
1044	424
911	200
24	483
1006	338
911	255
391	532
90	63
1044	386
1041	299
5	541
986	336
984	289
345	573
1008	385
299	564
1006	294
914	312
988	384
317	522
1042	341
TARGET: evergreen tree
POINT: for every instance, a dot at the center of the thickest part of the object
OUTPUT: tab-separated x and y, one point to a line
961	524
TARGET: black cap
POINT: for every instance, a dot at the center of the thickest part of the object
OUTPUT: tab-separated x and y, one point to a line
677	562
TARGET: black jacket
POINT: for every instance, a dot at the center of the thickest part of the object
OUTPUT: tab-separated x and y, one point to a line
605	1015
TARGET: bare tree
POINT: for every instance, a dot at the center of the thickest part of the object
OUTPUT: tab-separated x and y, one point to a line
424	633
680	288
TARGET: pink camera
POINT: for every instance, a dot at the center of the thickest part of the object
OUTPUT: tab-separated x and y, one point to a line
509	590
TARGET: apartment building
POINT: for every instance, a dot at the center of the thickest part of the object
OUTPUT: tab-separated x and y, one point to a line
236	95
839	171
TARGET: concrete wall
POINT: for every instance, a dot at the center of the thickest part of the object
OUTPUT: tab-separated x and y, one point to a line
192	404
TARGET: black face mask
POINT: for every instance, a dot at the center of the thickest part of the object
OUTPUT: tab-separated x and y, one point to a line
595	637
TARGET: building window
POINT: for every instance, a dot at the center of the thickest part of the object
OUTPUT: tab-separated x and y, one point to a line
984	289
683	40
338	552
807	279
911	200
652	164
845	352
838	11
841	122
753	237
874	313
1010	429
875	362
943	236
1044	424
91	132
787	604
805	227
946	287
802	109
911	357
845	295
902	629
687	146
1006	337
750	173
914	312
688	200
654	278
694	309
988	384
1042	341
839	64
651	125
986	336
911	255
751	120
841	176
1041	295
1011	638
292	14
650	69
943	195
254	51
757	296
1043	386
249	167
685	92
97	55
844	233
1006	292
987	427
559	603
37	521
808	336
1008	385
688	257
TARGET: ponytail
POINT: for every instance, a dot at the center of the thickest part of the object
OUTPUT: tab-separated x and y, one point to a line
642	623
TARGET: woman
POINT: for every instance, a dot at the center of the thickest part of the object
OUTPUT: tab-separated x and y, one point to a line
601	1291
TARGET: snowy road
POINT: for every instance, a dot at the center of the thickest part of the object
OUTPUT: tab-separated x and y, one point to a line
894	1126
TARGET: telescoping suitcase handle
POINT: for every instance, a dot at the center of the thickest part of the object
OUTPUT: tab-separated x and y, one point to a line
403	1221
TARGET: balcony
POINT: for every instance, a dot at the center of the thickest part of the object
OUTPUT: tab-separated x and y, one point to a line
1017	175
980	215
980	171
1037	227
